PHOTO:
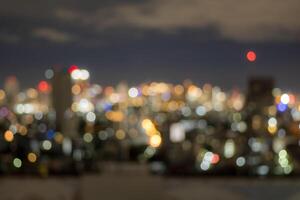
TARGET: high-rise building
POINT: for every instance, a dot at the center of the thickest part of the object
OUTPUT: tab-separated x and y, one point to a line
260	92
11	87
62	101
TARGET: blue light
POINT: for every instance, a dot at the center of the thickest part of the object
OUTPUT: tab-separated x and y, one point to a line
282	107
50	134
107	107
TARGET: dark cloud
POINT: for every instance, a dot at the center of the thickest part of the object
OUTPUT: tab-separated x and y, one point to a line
53	35
233	19
246	21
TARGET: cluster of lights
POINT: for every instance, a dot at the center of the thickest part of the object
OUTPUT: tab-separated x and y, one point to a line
283	160
208	160
80	74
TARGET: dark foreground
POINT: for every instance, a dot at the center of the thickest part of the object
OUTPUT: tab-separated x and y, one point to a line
131	182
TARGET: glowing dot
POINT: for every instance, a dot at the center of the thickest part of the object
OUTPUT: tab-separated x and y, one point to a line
43	86
120	134
201	110
240	162
2	95
17	163
215	159
76	89
76	74
72	68
272	122
47	145
282	107
133	92
283	153
251	56
272	129
49	74
285	99
9	136
91	117
85	75
88	137
155	141
32	157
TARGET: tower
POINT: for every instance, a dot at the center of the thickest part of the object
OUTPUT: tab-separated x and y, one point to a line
62	99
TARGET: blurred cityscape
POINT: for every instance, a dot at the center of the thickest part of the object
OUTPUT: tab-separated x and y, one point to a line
68	125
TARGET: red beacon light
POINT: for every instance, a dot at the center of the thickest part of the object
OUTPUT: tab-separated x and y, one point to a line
72	68
44	86
251	56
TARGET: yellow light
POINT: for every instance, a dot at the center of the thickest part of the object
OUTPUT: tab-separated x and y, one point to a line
9	136
32	93
149	127
32	157
120	134
155	141
59	138
178	89
76	89
147	124
2	95
272	129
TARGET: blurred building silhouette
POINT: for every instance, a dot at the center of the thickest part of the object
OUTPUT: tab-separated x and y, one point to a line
62	101
259	92
11	87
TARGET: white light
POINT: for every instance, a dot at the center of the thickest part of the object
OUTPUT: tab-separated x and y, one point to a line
67	146
85	106
20	109
49	73
17	163
272	122
205	165
133	92
91	117
263	170
177	133
85	75
242	127
283	153
28	108
201	110
76	74
285	98
229	148
241	161
88	137
47	145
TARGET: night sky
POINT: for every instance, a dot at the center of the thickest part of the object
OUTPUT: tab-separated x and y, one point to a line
160	40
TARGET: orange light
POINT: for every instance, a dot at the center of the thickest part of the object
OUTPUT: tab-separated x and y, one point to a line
8	136
32	157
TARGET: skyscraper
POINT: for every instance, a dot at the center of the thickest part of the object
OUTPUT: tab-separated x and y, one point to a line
11	87
62	100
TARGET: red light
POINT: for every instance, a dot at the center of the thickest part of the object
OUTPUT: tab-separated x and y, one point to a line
43	86
72	68
215	159
251	56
